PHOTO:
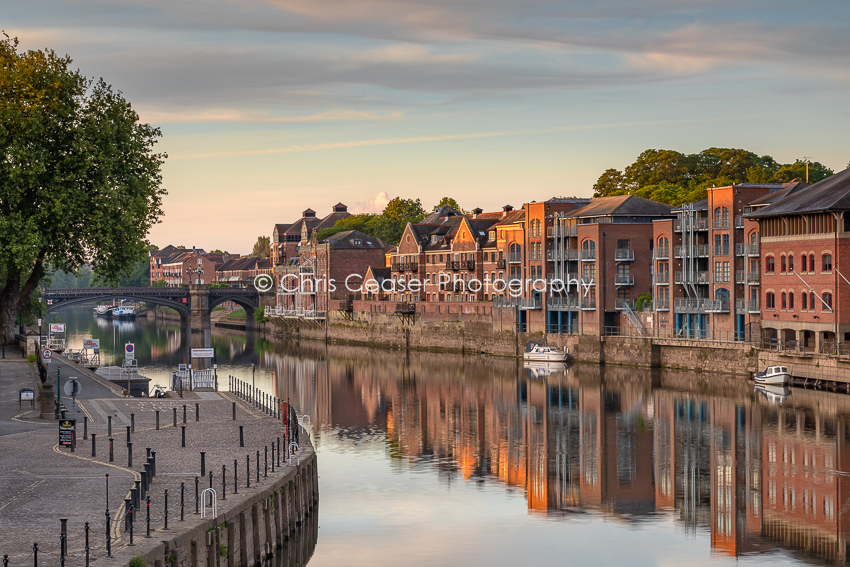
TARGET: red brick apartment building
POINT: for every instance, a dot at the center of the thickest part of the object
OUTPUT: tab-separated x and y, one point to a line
178	266
805	293
706	265
286	238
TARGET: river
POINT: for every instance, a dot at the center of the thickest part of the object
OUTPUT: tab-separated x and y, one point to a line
441	459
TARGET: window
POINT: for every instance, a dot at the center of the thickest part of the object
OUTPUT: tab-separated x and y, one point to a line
782	264
790	263
805	299
827	262
769	266
588	249
770	300
784	300
812	300
827	301
811	262
791	300
803	263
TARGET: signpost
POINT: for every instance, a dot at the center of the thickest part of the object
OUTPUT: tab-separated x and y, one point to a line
46	355
73	389
26	395
91	344
67	432
203	352
57	327
129	352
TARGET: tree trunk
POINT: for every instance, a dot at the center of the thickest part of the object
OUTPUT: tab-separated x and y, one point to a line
9	309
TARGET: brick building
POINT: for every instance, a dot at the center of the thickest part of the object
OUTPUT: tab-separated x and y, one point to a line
804	288
286	238
179	266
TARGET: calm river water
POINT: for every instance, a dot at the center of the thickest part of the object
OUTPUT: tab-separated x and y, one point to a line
438	459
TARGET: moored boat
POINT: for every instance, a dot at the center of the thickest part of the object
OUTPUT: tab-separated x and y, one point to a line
773	394
773	375
538	352
124	312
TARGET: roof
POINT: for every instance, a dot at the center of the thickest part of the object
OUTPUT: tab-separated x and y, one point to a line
380	273
331	219
621	205
512	217
775	195
348	240
830	194
442	212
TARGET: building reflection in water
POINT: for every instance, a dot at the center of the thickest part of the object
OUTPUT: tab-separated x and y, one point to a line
627	443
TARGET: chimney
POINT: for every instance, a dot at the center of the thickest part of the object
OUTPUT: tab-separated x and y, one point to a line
476	211
506	209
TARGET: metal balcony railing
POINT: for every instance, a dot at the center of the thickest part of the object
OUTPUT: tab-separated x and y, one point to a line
451	265
661	253
568	303
747	306
721	250
587	255
662	278
467	265
739	221
500	263
692	278
587	304
624	279
514	258
716	305
624	255
621	304
681	305
662	305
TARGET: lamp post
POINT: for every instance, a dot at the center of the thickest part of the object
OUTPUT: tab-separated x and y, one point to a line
253	384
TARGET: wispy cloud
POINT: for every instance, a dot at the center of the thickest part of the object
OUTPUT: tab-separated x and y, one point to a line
246	117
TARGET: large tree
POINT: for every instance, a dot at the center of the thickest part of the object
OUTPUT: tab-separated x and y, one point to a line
262	247
79	180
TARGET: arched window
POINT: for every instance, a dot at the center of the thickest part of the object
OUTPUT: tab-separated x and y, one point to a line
588	249
827	262
790	262
784	303
811	262
769	264
803	261
791	300
827	301
782	263
721	217
722	294
754	238
770	300
804	306
515	253
812	300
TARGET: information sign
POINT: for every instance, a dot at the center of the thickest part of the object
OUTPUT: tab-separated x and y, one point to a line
181	368
91	343
26	395
203	352
46	354
67	432
57	327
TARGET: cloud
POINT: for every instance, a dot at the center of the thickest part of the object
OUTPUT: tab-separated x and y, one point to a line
256	117
374	205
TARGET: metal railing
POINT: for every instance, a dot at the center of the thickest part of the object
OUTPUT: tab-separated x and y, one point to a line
743	277
747	306
623	304
662	278
624	255
568	303
451	265
501	263
698	224
716	305
739	221
661	253
746	249
721	250
697	278
624	279
700	251
587	255
514	258
662	305
587	304
467	265
683	335
520	302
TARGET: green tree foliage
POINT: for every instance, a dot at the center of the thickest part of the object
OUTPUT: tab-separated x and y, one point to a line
79	180
448	202
262	247
672	177
67	280
388	226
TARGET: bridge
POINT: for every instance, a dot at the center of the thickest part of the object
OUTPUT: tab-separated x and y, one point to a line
193	302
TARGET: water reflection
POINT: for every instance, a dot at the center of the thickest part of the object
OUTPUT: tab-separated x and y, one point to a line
629	444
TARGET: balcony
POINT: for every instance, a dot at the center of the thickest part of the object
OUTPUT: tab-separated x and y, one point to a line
450	265
524	303
587	304
397	268
514	258
720	223
624	255
587	256
467	265
662	305
716	305
405	307
661	253
412	266
681	305
624	304
691	278
753	250
739	221
501	263
562	232
568	303
662	278
699	251
624	279
747	306
697	224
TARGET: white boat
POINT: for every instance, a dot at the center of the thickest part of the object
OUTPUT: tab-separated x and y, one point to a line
538	352
773	394
774	375
124	312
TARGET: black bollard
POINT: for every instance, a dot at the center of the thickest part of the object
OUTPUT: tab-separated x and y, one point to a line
258	467
137	496
203	463
197	411
129	455
175	416
94	444
108	535
63	533
183	435
111	450
128	435
133	422
85	427
234	411
248	469
157	420
128	504
87	543
241	436
131	525
148	516
182	499
223	482
146	479
196	495
235	476
278	451
153	463
184	413
166	509
109	425
266	469
272	456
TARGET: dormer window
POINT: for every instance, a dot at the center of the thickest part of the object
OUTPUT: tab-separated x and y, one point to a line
358	242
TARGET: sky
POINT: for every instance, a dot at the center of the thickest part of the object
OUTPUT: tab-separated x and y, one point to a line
269	107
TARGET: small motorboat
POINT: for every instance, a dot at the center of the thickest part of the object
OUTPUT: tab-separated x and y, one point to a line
773	375
773	394
124	312
538	352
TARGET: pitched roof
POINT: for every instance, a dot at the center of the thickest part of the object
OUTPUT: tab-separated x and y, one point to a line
775	195
621	205
354	240
830	194
441	213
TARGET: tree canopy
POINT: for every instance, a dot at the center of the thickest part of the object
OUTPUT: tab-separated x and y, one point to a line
79	179
672	177
448	202
262	247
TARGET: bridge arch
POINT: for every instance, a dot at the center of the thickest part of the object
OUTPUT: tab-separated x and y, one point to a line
63	298
241	300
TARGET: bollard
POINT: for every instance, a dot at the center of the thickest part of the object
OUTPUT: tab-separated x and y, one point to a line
153	463
137	496
234	411
157	420
109	425
62	544
223	482
128	435
166	509
111	450
248	469
94	444
258	467
184	413
129	455
175	416
147	453
108	536
182	498
87	544
146	479
235	476
85	427
241	436
278	452
131	525
272	456
197	411
196	495
35	554
183	435
211	481
148	519
133	422
203	463
128	503
73	442
63	535
266	469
